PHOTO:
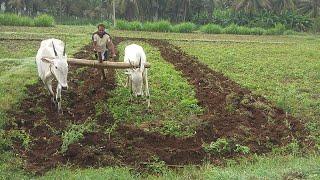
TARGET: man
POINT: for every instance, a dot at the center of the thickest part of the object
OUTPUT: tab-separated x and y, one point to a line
102	44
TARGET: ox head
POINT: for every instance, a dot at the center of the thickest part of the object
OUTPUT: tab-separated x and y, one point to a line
136	79
59	66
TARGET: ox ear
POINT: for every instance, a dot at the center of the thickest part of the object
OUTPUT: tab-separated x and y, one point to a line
47	60
127	73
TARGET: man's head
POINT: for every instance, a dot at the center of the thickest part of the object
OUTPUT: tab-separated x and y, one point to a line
101	28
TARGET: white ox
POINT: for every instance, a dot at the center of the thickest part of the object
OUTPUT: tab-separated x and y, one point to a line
52	64
137	77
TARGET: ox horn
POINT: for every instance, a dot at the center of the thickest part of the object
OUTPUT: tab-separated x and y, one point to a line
54	49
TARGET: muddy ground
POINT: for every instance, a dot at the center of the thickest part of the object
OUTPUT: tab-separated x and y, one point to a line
232	112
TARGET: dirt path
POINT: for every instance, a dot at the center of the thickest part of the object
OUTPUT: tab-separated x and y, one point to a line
232	112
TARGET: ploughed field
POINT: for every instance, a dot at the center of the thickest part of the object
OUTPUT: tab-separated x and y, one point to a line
232	115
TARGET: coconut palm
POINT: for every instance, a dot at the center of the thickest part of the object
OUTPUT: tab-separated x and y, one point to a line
251	6
309	7
284	5
17	5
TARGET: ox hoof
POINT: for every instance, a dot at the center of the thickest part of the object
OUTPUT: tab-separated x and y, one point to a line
60	111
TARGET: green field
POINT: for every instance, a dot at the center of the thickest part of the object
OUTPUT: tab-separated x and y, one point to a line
284	69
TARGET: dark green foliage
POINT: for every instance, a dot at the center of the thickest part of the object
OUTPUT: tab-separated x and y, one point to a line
184	27
132	26
160	26
211	29
43	20
316	25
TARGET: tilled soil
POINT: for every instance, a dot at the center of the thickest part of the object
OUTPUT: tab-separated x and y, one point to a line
232	112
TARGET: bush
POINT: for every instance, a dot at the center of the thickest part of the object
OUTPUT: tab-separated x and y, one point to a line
224	146
184	27
122	25
135	26
44	20
75	133
289	32
211	29
295	21
279	29
257	31
15	20
202	18
232	29
131	26
219	147
316	25
222	17
160	26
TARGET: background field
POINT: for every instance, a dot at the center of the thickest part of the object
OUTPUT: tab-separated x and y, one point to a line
284	69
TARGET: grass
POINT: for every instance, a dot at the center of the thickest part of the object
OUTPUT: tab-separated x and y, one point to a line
173	102
74	133
15	75
287	74
238	56
44	20
184	27
159	26
211	29
74	32
132	26
259	167
187	27
18	49
14	80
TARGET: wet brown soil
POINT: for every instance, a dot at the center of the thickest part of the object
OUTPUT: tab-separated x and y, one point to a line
232	112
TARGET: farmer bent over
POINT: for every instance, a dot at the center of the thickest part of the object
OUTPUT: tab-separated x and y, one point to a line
102	44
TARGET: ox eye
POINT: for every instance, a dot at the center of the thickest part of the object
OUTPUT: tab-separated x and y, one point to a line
56	67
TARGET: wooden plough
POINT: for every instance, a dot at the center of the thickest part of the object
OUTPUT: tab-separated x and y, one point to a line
103	65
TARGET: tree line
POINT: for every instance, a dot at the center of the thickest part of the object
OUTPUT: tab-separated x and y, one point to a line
153	10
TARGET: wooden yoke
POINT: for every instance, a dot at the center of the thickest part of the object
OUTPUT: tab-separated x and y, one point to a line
104	64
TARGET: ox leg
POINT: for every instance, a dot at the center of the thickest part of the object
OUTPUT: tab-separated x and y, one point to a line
48	84
127	82
130	88
146	86
58	98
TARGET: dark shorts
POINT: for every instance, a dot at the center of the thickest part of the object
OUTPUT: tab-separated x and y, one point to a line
106	55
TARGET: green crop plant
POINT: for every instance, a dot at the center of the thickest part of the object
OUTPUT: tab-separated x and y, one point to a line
173	101
75	132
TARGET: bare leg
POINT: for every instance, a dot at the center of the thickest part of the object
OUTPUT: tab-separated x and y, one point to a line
48	83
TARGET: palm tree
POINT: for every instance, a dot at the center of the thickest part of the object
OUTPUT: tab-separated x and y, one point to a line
283	5
309	7
251	6
17	5
128	9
